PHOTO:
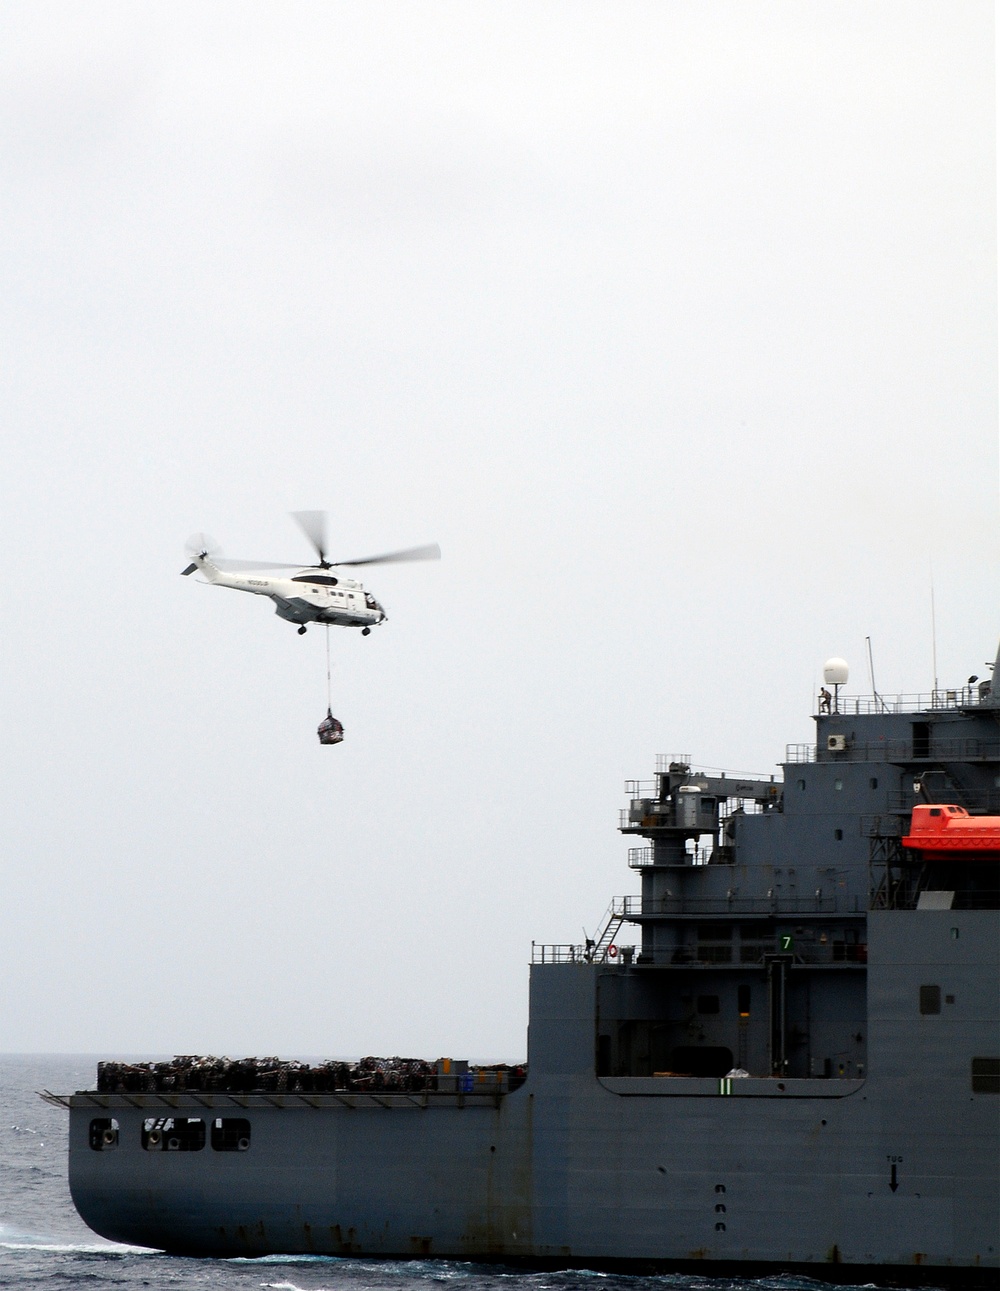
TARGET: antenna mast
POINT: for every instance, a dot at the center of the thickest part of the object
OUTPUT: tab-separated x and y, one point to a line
871	671
933	633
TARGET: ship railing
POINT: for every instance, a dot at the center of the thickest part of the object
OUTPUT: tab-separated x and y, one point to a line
978	802
916	702
937	750
637	908
586	954
641	789
649	817
802	952
641	858
664	762
879	826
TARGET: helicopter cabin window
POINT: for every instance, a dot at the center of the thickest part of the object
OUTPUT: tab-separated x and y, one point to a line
325	579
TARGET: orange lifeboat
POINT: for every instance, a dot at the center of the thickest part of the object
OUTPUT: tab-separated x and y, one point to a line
946	832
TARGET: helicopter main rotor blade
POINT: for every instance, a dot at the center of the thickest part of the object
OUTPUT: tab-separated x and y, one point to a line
238	566
313	525
431	552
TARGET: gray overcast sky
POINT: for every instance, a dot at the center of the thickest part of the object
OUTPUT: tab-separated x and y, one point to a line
674	323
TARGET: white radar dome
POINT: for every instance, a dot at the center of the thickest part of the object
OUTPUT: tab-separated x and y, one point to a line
835	672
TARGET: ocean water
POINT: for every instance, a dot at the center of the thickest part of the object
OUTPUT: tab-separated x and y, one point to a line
44	1244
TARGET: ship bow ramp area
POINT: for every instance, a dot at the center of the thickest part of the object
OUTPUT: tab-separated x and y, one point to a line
782	1053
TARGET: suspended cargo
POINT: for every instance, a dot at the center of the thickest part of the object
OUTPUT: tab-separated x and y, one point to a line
330	730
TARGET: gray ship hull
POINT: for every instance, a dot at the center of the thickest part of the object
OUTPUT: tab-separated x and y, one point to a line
895	1168
797	1068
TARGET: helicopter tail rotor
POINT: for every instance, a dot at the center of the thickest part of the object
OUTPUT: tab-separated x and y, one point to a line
200	547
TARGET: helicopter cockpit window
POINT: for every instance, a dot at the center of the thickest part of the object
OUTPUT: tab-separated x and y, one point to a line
326	579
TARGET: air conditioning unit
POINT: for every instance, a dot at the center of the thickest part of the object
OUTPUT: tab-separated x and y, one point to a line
836	743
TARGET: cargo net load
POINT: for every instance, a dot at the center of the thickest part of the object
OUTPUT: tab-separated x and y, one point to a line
279	1076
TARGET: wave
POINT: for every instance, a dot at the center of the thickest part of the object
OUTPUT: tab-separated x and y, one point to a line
20	1241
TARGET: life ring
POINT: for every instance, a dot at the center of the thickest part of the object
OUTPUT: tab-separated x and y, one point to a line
242	1144
612	951
153	1139
109	1138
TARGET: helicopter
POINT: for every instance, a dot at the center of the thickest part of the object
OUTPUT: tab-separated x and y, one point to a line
313	593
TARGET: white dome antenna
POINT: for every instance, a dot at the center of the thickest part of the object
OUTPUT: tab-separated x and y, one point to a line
835	674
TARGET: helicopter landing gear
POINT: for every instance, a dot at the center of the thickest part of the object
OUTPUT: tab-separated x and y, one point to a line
302	630
366	632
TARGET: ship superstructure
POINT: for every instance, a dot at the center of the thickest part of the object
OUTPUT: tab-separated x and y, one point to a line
795	1065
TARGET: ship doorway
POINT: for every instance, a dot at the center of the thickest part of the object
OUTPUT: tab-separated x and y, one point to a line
701	1060
921	739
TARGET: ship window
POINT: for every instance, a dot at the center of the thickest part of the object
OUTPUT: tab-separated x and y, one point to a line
708	1004
838	834
173	1134
986	1075
838	784
103	1134
801	784
743	1000
873	783
930	999
230	1134
936	811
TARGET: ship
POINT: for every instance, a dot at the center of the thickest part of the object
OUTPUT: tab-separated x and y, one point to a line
782	1054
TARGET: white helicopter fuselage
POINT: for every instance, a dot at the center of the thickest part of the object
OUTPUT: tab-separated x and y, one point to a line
308	596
